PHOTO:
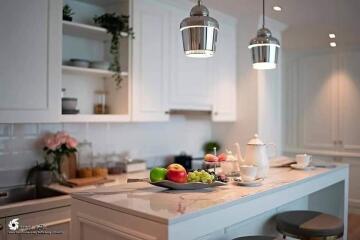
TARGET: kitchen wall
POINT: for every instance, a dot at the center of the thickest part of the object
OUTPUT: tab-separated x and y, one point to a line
20	144
258	92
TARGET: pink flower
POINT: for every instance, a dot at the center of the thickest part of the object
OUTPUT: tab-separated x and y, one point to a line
61	137
71	142
52	142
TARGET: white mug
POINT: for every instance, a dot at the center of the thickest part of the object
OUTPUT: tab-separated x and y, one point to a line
248	173
303	160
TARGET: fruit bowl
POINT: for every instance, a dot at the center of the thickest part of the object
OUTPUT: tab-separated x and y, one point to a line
186	186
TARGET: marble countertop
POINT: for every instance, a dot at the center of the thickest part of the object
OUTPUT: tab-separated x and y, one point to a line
145	200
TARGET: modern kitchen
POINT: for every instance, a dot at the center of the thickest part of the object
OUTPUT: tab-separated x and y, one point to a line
179	119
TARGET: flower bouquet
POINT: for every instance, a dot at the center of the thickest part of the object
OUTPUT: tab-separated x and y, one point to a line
61	147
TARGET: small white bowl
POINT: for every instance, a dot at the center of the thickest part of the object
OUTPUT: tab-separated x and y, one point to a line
79	63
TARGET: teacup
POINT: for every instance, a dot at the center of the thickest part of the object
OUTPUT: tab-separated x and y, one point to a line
248	173
303	160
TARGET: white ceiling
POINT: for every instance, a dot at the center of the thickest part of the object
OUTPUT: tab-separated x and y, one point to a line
309	21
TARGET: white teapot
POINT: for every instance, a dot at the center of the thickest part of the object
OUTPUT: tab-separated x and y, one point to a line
256	154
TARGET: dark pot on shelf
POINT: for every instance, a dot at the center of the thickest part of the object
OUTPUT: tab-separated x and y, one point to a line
67	18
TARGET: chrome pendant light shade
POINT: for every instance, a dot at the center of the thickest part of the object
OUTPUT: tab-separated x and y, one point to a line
264	48
199	33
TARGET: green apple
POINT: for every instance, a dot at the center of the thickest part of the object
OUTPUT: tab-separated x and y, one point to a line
158	174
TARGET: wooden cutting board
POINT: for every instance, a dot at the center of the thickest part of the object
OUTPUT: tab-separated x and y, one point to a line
80	182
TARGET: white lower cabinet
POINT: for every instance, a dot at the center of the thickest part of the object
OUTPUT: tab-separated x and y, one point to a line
111	225
54	220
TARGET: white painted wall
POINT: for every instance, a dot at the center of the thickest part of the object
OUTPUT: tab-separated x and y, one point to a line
259	93
247	101
270	95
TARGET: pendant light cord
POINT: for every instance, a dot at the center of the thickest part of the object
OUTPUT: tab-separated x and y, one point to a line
263	25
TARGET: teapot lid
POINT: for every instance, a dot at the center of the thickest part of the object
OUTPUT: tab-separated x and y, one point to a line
256	141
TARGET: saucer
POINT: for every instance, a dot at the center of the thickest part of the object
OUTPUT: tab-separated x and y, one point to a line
297	167
253	183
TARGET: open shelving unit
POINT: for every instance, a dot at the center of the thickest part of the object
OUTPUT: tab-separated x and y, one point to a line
82	39
93	71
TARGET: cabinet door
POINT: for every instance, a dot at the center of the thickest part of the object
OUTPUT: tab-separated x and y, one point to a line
30	66
151	66
191	81
55	220
2	229
349	111
318	101
224	75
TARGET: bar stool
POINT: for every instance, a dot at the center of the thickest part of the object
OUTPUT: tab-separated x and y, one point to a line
309	225
255	238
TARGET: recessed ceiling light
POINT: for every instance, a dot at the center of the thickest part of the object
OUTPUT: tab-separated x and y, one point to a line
333	44
332	35
277	8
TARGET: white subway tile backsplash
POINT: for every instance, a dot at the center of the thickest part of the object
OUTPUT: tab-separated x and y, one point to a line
21	144
5	130
29	130
50	127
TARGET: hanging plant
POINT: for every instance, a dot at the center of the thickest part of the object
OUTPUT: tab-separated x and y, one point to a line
118	27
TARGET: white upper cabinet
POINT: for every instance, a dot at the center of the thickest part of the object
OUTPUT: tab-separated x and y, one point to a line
349	88
318	99
30	66
224	74
322	96
191	78
151	61
165	79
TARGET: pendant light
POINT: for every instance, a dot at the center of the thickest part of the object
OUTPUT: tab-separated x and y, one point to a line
264	48
199	32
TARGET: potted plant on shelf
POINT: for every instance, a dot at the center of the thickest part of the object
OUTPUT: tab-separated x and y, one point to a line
118	27
61	148
67	13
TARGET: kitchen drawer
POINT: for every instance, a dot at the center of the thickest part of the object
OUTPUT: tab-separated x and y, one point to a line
57	219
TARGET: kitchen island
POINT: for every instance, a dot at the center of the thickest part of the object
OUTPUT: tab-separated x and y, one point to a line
142	211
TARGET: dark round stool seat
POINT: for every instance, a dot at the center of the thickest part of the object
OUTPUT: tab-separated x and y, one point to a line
309	224
255	238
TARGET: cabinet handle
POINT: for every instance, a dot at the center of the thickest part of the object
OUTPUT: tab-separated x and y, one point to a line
167	112
1	227
340	142
216	113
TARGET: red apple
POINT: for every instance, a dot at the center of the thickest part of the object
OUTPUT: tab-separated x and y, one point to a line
176	167
176	173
